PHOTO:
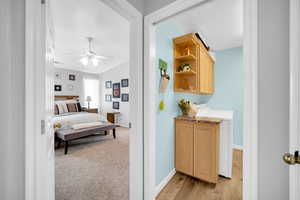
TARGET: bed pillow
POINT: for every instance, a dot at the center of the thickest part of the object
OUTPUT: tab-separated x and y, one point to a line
79	107
72	107
60	107
64	105
56	109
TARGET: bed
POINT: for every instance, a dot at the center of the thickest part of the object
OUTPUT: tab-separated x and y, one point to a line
68	112
69	119
69	115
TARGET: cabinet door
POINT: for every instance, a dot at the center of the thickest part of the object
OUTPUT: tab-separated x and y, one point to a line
211	76
184	136
206	73
206	151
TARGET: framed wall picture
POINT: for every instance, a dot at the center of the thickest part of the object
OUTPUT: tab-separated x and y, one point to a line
116	105
72	77
125	82
108	98
57	88
107	84
116	90
125	97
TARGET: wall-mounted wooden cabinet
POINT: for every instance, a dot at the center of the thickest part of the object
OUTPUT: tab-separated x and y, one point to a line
199	79
197	148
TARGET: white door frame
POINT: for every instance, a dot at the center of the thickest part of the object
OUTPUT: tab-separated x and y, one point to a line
250	47
294	170
33	28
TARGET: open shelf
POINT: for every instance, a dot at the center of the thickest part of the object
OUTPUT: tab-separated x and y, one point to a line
186	57
186	73
188	50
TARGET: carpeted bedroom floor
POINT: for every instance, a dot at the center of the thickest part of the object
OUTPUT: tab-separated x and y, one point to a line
95	168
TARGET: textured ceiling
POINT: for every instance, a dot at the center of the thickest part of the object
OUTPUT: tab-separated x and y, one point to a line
220	22
74	20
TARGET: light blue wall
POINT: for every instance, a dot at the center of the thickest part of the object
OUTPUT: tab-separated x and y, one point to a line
165	119
229	84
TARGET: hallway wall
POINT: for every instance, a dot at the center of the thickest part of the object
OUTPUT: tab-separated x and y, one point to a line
12	90
229	88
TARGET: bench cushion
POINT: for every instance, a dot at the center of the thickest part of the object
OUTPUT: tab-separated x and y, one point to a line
71	134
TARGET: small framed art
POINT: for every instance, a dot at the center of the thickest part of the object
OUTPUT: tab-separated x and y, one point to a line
125	97
116	105
108	98
116	90
72	77
124	82
107	84
57	88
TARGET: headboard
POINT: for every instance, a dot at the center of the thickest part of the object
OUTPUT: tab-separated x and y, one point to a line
65	97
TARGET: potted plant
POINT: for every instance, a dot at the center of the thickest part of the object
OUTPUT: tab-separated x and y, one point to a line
185	68
184	106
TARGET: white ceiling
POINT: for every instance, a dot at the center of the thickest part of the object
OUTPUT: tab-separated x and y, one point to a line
74	20
220	22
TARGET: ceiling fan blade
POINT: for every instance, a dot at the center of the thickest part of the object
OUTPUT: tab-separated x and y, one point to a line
56	62
72	53
101	57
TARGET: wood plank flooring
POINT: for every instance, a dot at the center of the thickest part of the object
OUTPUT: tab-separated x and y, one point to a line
182	187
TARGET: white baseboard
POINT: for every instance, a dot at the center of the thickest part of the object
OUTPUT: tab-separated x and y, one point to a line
164	182
238	147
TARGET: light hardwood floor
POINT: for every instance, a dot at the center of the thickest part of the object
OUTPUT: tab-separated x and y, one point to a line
182	187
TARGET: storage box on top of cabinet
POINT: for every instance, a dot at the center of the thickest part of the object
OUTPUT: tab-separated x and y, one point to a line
198	76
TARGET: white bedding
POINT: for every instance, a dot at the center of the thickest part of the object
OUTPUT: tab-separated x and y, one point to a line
87	125
68	119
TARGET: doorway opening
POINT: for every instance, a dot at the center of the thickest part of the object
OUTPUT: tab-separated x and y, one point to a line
187	49
205	65
92	105
92	74
91	80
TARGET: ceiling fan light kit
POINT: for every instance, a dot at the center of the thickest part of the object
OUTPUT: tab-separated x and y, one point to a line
95	61
90	57
84	61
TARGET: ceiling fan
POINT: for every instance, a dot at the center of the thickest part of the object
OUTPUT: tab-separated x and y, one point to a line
57	62
90	57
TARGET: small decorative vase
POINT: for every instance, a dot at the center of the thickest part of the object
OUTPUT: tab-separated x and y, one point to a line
185	112
163	84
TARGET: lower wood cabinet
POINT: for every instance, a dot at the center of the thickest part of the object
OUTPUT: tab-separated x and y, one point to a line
184	152
197	148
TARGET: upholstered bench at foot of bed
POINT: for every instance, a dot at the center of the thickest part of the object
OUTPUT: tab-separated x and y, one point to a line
67	135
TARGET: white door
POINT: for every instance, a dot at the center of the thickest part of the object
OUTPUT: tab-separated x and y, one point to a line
45	185
292	158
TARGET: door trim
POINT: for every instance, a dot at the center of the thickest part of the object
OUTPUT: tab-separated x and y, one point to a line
294	171
125	9
32	30
250	48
